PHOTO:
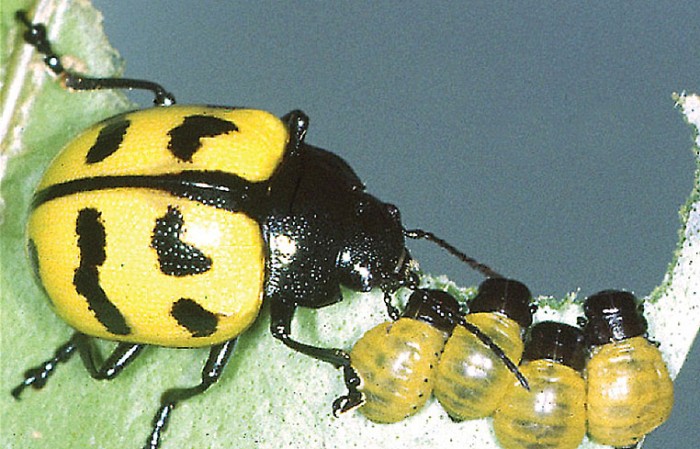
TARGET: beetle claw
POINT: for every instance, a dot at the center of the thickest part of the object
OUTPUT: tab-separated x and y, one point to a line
354	398
348	402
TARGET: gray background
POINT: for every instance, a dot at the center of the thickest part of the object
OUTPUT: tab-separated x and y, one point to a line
540	137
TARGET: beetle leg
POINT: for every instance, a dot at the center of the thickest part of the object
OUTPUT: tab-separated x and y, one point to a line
36	377
36	36
281	315
124	354
354	398
214	366
392	311
120	358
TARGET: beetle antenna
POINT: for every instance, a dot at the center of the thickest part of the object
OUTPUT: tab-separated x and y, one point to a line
475	264
512	367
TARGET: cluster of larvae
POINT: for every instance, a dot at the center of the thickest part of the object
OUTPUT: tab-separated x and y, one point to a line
604	378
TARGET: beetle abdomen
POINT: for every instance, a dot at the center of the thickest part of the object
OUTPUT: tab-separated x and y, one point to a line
158	213
152	269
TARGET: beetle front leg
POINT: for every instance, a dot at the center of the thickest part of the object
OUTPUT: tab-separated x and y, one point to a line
281	315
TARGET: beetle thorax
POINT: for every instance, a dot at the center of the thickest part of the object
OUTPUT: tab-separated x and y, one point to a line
331	233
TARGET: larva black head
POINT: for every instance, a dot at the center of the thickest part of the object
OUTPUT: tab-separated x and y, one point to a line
434	307
612	315
506	296
558	342
442	310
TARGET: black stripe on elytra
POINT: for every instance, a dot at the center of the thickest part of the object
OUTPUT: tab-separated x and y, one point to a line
175	257
196	319
219	189
108	140
92	244
33	252
185	139
33	257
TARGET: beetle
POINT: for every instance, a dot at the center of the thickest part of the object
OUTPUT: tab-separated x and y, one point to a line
630	392
169	226
470	380
553	413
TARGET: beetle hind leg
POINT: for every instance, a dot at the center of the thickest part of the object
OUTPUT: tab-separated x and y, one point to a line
38	376
124	354
107	369
218	357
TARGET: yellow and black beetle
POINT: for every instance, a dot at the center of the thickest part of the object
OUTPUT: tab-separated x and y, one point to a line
170	226
630	392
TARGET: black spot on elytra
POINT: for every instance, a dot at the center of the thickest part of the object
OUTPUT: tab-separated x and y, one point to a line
185	139
108	141
176	258
196	319
92	244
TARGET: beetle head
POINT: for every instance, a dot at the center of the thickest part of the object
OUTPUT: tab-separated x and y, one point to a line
375	255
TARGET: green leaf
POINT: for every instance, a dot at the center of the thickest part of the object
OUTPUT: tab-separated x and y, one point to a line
269	396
